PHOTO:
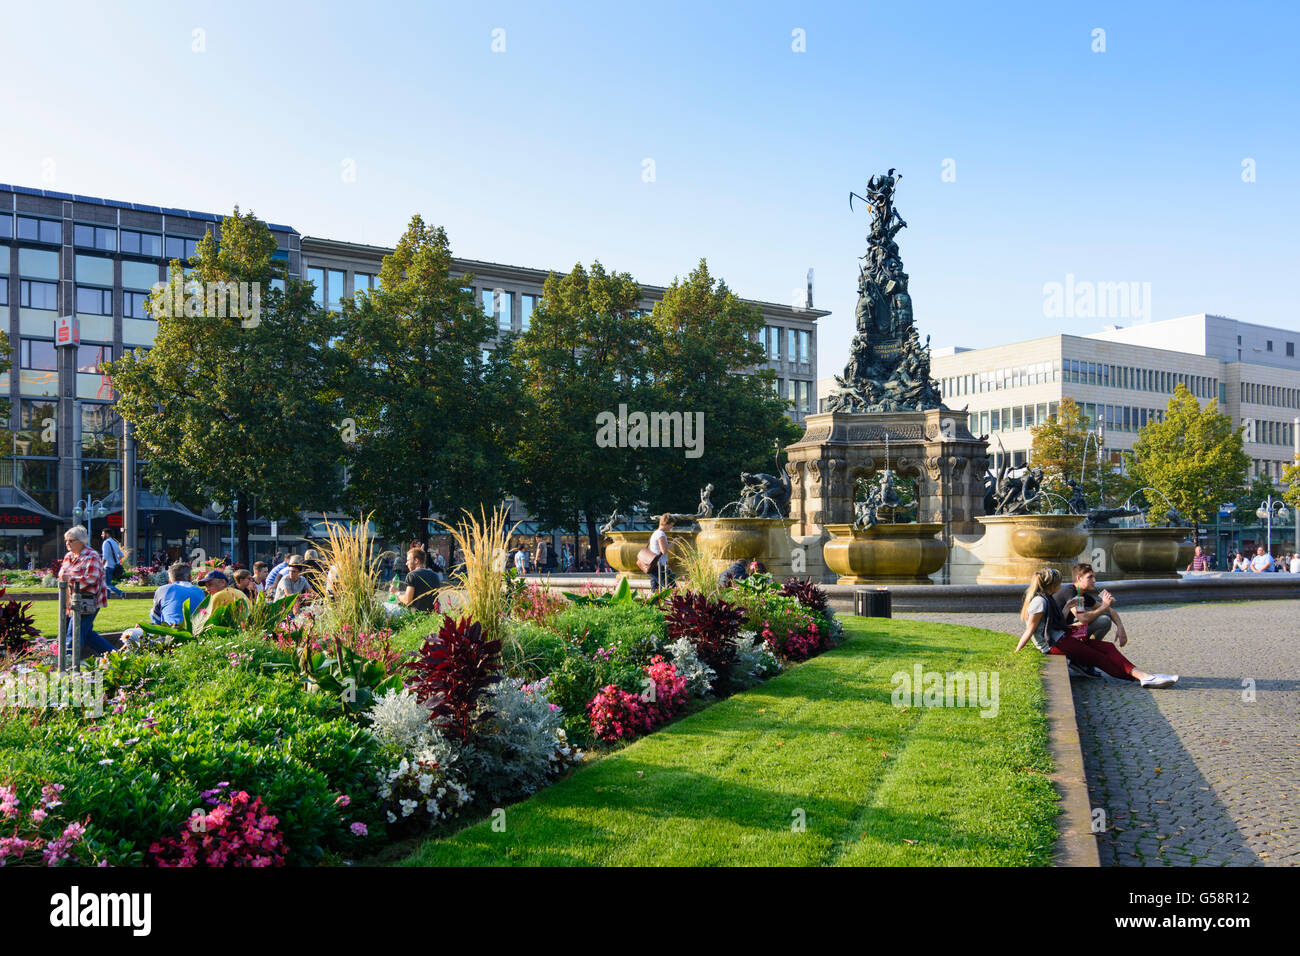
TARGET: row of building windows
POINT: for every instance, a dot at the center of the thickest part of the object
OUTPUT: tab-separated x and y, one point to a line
798	391
1277	395
103	238
1268	433
39	355
1122	418
1079	372
797	345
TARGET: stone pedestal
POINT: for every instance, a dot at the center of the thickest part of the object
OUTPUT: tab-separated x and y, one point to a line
622	549
885	553
1118	554
724	540
934	446
1014	547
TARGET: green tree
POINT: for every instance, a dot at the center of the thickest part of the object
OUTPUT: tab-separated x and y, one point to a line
583	355
1291	478
428	418
1194	457
1059	448
236	407
705	356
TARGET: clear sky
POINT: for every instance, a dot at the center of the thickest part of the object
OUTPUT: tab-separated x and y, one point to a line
1117	166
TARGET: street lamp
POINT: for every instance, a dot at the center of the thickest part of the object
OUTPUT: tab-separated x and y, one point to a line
1265	513
90	509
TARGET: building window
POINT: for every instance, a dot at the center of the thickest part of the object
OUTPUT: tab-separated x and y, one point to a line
89	357
94	301
6	227
527	303
4	290
334	293
39	355
38	295
36	424
1269	343
317	278
95	237
361	282
179	247
40	230
141	243
505	311
791	345
1290	350
133	305
98	432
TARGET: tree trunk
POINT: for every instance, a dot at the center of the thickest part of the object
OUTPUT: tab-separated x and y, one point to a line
241	529
593	541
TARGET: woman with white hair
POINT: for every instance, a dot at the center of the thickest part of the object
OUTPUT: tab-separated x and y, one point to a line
83	570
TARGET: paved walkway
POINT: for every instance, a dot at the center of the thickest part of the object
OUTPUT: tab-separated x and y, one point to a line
1200	774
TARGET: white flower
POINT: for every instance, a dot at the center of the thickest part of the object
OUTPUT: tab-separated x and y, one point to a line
426	781
385	792
391	818
431	806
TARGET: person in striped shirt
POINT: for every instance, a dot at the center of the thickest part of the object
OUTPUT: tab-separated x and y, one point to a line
83	570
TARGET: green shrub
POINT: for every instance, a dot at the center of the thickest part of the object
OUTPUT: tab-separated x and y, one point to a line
633	632
209	712
531	651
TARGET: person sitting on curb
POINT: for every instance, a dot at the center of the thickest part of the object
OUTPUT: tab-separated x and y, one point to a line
1098	610
1263	560
1046	626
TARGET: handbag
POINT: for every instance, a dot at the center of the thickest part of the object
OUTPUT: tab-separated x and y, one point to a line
83	604
645	559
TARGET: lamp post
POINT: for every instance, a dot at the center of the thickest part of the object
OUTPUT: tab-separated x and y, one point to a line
90	509
1265	513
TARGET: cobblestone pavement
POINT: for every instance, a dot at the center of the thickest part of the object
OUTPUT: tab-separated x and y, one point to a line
1205	773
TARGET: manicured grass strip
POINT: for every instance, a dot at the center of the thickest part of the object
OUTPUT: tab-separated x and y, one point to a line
815	767
118	615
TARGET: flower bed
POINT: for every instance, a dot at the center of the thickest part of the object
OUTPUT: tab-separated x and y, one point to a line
275	741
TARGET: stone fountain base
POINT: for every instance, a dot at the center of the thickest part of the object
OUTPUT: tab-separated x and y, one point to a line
885	553
1119	554
724	540
1014	547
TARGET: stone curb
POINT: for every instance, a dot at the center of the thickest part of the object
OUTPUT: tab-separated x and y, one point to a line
1075	843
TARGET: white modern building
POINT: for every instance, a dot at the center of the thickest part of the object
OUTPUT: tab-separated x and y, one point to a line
1124	377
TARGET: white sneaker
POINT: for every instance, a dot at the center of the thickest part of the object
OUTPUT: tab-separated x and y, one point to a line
1160	680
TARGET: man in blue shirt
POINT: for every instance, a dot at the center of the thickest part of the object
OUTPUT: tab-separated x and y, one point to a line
111	553
169	600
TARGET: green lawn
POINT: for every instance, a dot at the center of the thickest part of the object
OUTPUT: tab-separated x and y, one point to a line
121	613
823	744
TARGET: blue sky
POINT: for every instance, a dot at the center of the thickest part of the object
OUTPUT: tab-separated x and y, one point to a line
1123	165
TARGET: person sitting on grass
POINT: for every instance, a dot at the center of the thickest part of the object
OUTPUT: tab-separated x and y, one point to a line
421	582
220	593
169	600
294	581
1046	626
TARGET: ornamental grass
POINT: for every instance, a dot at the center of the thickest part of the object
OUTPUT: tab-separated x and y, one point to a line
348	587
483	541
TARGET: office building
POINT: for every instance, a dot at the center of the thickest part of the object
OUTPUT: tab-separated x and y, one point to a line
70	260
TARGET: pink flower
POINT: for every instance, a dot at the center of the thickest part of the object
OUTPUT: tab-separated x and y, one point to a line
342	800
360	829
39	814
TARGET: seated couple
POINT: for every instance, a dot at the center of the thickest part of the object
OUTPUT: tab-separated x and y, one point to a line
1075	626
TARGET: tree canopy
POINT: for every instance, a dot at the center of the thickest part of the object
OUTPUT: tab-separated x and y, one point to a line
1194	457
231	407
